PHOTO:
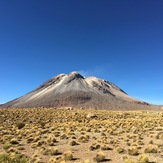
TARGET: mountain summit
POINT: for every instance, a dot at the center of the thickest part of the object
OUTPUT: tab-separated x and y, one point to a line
74	90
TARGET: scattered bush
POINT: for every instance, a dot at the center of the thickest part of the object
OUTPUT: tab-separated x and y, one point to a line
7	146
119	149
151	149
143	158
73	143
20	125
14	141
5	158
99	157
67	156
133	151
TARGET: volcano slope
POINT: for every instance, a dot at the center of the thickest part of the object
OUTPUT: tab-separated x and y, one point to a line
74	90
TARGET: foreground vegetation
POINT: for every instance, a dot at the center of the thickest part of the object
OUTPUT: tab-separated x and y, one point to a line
48	135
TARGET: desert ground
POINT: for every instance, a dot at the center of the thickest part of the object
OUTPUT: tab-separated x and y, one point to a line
58	135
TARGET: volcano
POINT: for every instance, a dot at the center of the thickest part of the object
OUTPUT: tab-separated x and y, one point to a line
74	90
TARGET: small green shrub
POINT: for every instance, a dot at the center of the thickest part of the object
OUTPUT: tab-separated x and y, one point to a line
5	158
7	146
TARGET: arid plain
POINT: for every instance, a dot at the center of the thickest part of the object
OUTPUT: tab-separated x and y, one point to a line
49	135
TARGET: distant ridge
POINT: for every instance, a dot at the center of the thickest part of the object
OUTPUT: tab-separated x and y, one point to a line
74	90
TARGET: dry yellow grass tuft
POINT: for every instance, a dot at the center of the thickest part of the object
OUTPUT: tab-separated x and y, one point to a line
100	157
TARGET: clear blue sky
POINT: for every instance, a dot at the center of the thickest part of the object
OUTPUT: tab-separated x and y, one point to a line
120	41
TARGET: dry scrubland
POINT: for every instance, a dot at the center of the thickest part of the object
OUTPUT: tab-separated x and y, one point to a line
86	136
